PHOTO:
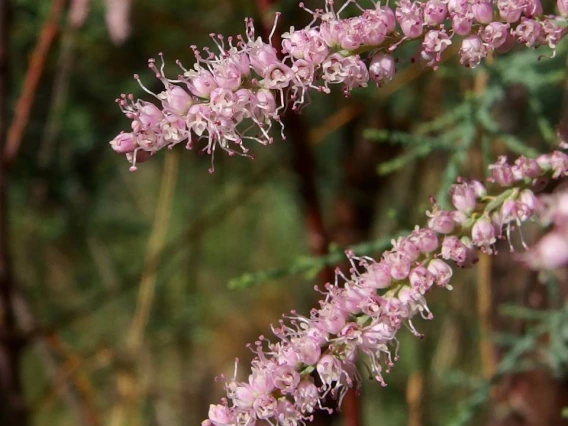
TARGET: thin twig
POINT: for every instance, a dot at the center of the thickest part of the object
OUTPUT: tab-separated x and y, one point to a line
484	293
31	81
127	383
484	307
47	350
60	90
12	404
414	397
159	229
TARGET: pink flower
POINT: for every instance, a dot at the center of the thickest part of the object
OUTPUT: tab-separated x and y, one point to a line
421	279
434	44
461	24
435	12
425	239
265	406
124	143
176	100
324	53
329	369
510	10
441	221
376	276
382	67
409	16
220	415
483	232
482	11
306	396
331	319
551	252
399	265
460	250
201	82
463	197
495	34
472	51
528	32
532	8
406	247
441	271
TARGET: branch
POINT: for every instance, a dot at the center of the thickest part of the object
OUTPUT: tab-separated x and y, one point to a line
31	81
12	409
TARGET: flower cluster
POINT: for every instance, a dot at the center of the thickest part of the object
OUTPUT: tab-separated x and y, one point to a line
551	251
314	357
235	95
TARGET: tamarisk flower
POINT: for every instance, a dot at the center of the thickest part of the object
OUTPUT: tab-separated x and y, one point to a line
361	313
551	251
235	94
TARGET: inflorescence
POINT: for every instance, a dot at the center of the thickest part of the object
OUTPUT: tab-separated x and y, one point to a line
313	358
236	95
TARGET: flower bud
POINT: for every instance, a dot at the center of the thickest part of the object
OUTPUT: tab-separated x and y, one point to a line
387	17
528	198
410	18
176	100
483	232
377	275
463	197
509	10
261	56
425	239
472	51
442	222
201	83
329	369
526	168
551	252
382	67
149	115
502	172
421	279
532	8
435	12
286	378
220	414
461	24
482	11
124	143
441	271
399	265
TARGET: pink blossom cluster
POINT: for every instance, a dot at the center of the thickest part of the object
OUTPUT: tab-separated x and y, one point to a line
313	358
551	251
236	94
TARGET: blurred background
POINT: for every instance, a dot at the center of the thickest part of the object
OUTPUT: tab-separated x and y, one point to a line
125	294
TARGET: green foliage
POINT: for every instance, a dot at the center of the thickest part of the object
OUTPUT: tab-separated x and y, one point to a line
474	121
308	266
551	323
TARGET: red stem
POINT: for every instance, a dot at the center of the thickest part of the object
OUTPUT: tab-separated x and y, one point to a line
304	165
12	406
31	81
